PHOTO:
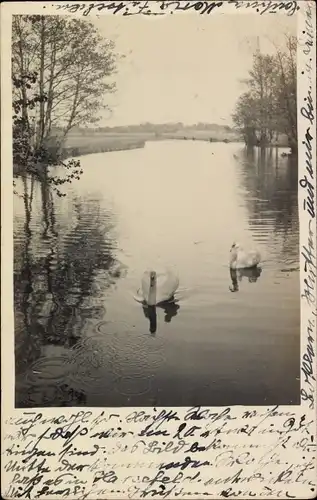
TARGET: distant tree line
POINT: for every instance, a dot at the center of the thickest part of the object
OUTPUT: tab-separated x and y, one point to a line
268	108
60	75
158	128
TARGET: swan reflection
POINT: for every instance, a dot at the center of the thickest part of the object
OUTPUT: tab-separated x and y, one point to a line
170	309
252	274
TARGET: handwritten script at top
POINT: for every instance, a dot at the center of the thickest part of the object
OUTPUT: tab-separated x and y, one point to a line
159	453
162	7
308	184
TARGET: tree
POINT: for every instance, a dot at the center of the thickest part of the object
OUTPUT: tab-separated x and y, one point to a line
286	91
60	70
27	155
268	108
244	118
255	111
262	87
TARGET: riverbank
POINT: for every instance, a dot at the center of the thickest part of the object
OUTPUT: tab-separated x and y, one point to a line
85	143
89	143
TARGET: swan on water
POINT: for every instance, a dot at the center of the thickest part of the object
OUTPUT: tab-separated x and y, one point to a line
242	259
158	287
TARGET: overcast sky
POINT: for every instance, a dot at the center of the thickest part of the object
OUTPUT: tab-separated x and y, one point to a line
185	67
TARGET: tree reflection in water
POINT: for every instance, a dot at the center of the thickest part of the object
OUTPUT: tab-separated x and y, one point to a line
271	185
56	287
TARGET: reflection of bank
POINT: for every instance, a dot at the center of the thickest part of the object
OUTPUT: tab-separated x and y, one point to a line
251	274
55	275
170	309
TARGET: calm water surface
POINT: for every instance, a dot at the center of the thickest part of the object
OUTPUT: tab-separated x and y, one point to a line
81	337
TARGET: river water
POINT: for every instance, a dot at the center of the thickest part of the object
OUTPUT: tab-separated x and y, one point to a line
81	338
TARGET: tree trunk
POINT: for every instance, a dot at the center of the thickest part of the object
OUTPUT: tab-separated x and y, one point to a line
25	126
292	125
73	112
41	86
50	94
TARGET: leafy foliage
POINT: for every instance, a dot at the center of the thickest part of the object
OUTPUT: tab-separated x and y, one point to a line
31	158
268	107
60	76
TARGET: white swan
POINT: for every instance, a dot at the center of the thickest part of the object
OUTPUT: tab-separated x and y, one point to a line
158	287
241	259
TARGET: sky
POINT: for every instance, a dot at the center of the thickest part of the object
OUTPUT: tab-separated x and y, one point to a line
185	68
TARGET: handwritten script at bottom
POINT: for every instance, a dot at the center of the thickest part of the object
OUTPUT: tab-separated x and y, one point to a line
160	453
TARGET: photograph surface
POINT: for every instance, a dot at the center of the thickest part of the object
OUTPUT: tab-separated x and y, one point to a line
156	227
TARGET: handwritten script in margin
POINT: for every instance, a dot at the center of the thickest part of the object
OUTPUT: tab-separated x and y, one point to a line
308	184
162	7
158	453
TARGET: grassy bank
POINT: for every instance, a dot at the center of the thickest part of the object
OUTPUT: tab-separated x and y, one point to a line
79	145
